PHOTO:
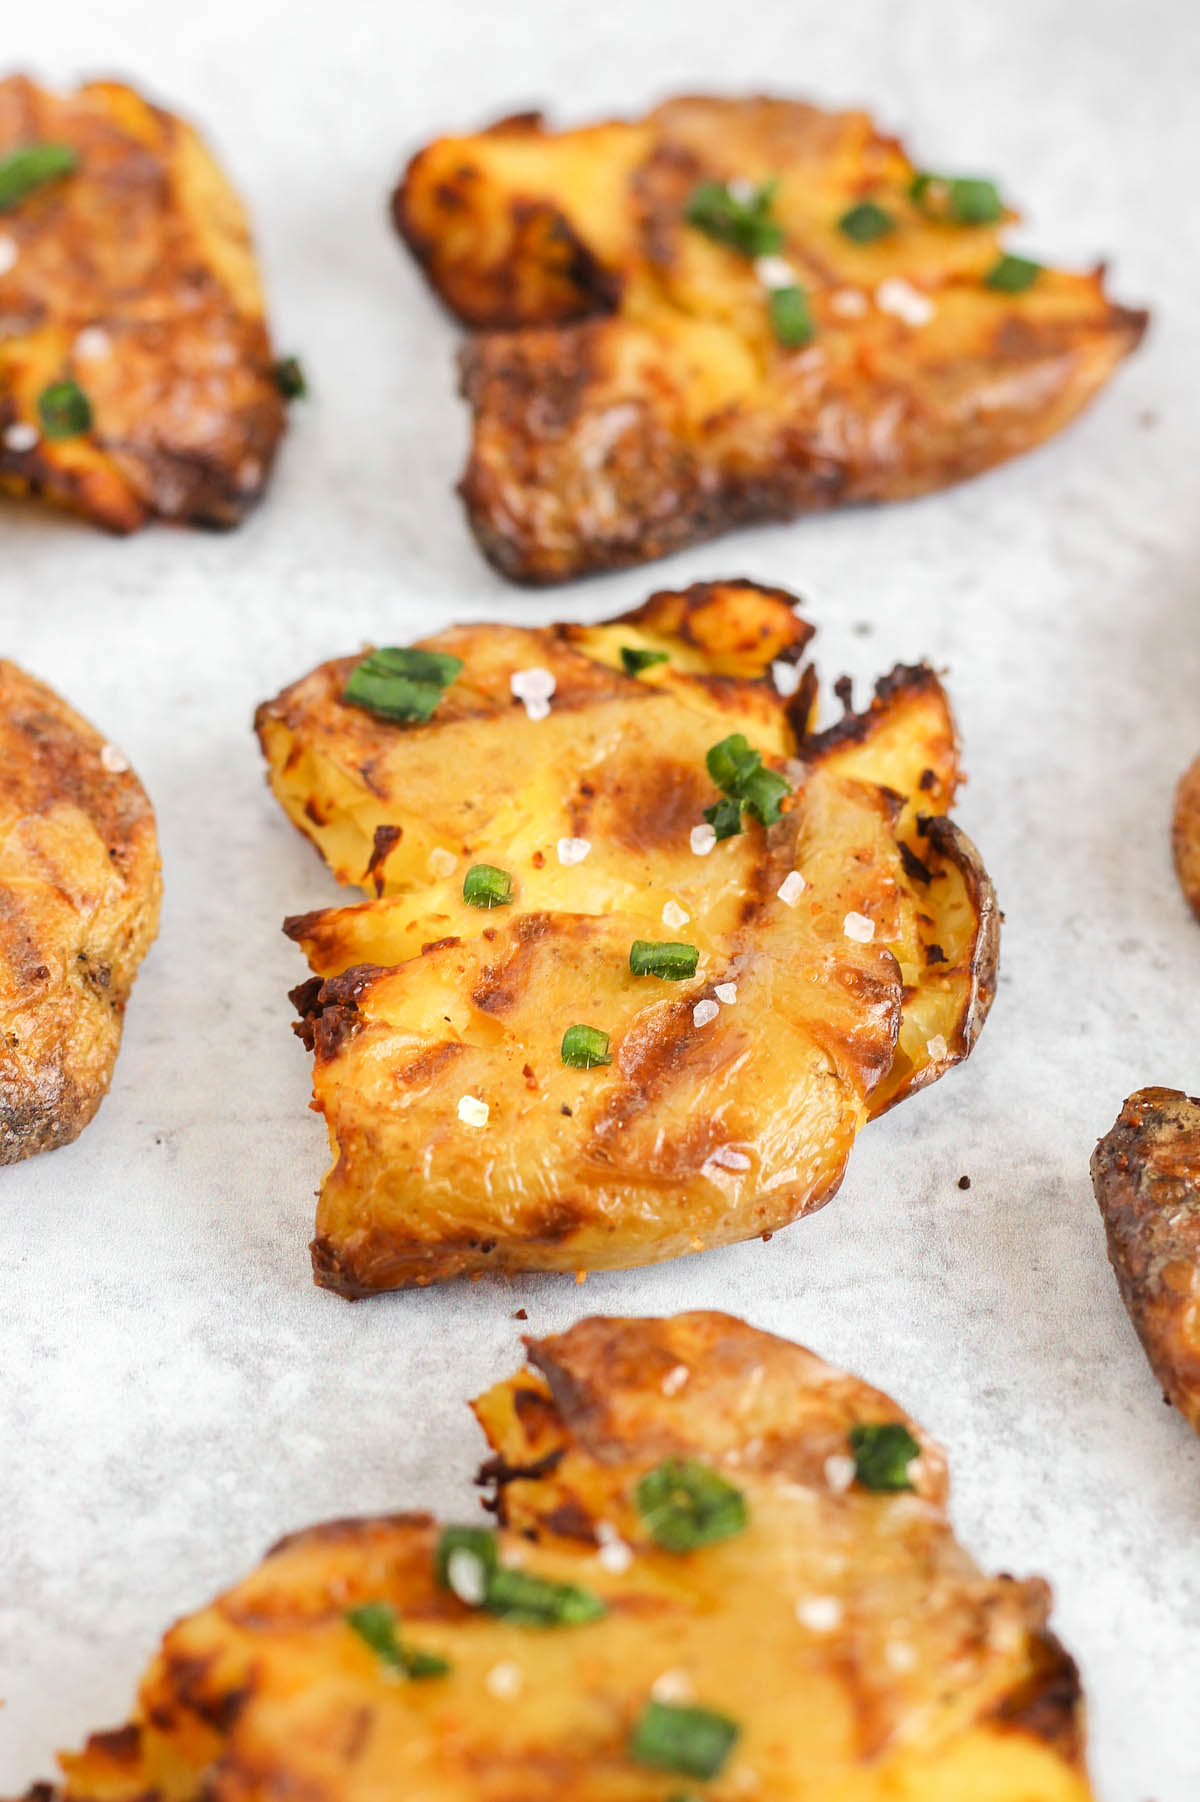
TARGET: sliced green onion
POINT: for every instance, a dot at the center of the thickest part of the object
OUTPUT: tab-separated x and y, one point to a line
694	1741
883	1451
636	660
960	199
1012	275
401	684
791	319
653	957
526	1600
866	222
64	410
730	762
375	1622
288	376
761	795
486	886
743	225
725	817
583	1047
685	1505
31	167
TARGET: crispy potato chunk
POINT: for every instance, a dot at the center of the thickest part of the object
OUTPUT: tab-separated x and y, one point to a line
461	1140
1185	836
630	395
79	895
854	1650
133	277
1146	1174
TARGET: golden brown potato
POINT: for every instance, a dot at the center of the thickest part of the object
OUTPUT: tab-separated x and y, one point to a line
630	392
131	276
1185	836
461	1140
1146	1174
748	1611
79	895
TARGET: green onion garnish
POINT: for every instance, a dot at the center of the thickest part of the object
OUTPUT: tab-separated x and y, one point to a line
375	1622
883	1451
585	1046
761	794
636	660
959	199
652	957
742	223
1012	275
731	761
791	320
467	1562
749	784
725	817
866	222
64	410
401	684
288	376
31	167
694	1741
685	1505
486	886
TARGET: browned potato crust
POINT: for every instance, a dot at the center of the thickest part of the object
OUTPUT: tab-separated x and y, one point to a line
859	1651
1146	1174
628	394
701	1130
79	895
135	278
1185	835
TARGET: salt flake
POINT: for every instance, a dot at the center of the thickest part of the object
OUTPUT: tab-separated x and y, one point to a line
903	301
937	1048
820	1614
114	761
791	888
674	916
472	1111
533	687
93	344
774	272
704	1013
859	928
573	850
20	437
441	862
840	1472
703	838
726	992
8	254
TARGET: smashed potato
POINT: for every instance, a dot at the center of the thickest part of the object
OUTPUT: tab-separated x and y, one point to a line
732	311
1146	1175
822	965
79	897
719	1562
136	371
1185	836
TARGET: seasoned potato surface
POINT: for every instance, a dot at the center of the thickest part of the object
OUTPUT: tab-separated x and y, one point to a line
639	384
79	896
844	954
136	372
1146	1174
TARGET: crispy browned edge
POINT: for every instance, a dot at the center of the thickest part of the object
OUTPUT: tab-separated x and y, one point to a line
1185	835
1146	1178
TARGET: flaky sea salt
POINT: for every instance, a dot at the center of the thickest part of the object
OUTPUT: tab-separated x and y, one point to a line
573	850
472	1111
533	688
820	1614
20	437
859	928
114	761
8	254
937	1048
786	677
675	1379
839	1472
903	301
615	1557
791	888
727	1157
92	344
900	1655
672	1686
704	1013
442	863
505	1680
674	916
774	272
726	992
703	838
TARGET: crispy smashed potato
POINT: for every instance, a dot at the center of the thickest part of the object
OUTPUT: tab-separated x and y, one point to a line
743	1612
1185	836
1146	1175
79	896
637	386
135	365
844	954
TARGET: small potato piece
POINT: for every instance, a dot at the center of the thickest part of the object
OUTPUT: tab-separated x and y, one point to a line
1185	836
1146	1175
854	1651
846	954
629	392
79	898
133	277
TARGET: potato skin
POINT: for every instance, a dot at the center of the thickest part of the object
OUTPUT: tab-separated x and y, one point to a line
79	900
696	1134
268	1692
146	250
1146	1176
1185	836
628	396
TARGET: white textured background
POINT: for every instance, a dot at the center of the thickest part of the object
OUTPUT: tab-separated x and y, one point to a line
173	1392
